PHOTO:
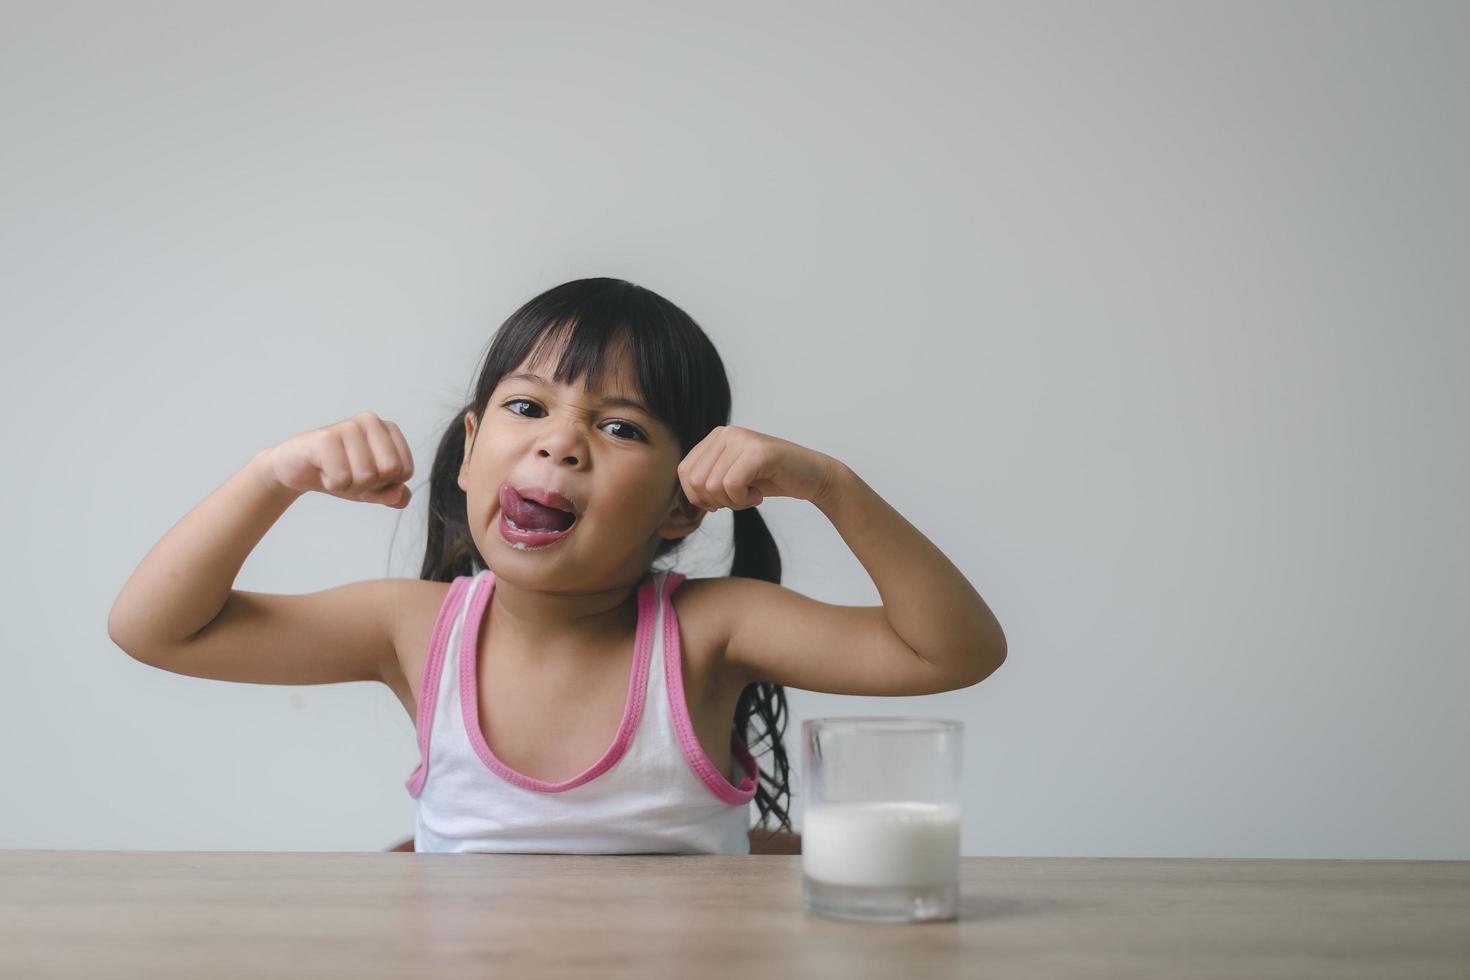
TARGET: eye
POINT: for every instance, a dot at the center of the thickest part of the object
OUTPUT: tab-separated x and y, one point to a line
637	434
519	401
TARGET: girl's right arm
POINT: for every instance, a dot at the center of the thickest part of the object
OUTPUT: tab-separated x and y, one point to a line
179	610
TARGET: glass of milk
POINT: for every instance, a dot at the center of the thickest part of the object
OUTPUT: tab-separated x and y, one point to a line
880	839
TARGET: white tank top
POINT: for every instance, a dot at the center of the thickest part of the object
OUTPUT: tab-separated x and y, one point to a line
653	791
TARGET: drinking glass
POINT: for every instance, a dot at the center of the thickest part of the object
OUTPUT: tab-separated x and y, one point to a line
880	838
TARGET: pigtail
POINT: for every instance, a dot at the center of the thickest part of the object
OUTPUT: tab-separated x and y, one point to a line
756	557
450	549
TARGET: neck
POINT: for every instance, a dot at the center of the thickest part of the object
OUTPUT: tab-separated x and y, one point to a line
549	619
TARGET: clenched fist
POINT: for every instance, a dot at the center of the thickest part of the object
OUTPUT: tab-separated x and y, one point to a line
361	458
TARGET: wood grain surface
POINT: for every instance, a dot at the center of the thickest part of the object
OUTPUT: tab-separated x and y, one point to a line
165	914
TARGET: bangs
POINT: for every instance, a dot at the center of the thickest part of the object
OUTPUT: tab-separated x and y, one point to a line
617	339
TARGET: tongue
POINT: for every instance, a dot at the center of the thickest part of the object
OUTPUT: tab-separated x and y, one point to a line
536	517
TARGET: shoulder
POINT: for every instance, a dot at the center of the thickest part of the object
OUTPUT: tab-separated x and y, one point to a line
710	608
417	604
700	599
414	606
419	597
721	595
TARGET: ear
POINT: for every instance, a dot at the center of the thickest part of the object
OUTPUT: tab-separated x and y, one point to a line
683	517
469	441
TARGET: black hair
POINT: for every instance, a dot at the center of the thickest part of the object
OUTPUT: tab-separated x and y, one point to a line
682	381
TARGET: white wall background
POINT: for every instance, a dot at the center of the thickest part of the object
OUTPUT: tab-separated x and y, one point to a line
1151	316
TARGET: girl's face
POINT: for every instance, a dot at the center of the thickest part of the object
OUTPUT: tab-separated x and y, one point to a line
615	462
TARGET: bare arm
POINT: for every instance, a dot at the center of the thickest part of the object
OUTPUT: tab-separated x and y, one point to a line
179	610
926	599
185	580
932	633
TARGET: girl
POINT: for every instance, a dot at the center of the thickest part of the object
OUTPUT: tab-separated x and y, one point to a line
568	695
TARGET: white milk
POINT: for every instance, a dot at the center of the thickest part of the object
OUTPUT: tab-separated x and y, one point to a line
881	844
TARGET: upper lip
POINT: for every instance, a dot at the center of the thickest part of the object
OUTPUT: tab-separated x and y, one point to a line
549	497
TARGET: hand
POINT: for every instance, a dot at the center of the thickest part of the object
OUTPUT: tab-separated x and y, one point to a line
737	468
362	458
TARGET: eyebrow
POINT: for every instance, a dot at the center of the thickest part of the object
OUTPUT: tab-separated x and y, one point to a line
613	400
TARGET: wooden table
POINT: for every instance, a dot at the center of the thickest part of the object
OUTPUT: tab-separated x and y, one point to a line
161	914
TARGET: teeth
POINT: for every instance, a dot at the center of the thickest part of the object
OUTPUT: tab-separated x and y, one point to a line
527	530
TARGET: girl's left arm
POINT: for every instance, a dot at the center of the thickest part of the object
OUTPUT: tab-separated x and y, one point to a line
927	600
933	631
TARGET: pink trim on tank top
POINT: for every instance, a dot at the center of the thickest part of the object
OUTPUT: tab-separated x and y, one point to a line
429	685
632	707
699	761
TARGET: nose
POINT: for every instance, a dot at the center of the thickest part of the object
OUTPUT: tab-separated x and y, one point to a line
563	443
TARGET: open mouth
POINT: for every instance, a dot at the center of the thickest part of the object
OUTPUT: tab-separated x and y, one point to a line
527	523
